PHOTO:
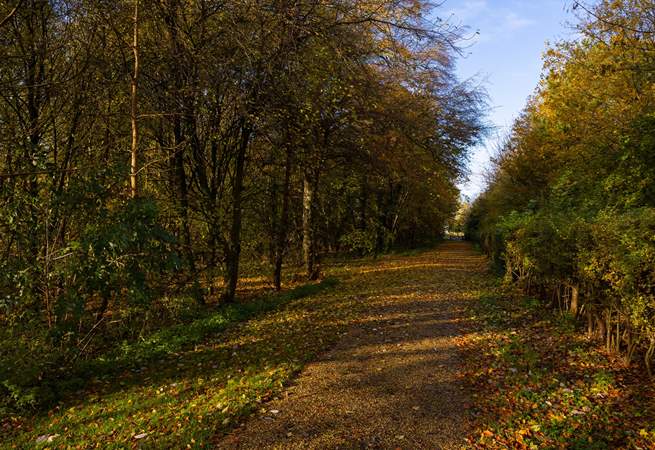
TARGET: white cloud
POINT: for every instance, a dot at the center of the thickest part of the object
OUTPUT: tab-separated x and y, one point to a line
468	10
515	22
492	20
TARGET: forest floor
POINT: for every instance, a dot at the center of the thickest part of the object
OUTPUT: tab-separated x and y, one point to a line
413	350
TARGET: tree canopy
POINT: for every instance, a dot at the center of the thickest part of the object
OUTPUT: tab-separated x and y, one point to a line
151	148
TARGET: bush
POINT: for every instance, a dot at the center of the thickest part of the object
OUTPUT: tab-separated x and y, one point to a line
115	266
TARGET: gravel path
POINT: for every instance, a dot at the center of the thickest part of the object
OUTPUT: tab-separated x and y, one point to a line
394	380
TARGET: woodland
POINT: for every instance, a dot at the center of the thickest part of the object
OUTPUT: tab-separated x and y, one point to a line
151	151
569	213
199	197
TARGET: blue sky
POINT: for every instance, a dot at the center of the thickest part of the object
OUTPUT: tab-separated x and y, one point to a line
506	56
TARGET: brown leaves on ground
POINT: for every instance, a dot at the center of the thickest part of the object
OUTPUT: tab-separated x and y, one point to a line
423	357
540	383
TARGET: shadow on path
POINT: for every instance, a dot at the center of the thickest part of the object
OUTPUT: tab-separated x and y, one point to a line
394	380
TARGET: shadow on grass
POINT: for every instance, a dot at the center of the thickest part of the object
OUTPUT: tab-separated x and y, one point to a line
161	344
185	384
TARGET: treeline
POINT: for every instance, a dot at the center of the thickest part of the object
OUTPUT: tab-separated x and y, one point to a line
570	209
147	147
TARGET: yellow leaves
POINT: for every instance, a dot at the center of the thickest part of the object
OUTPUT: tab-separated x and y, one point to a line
556	416
522	432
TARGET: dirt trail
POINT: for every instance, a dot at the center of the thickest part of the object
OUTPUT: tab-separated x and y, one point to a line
394	380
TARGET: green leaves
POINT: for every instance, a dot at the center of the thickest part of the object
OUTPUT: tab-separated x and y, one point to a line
569	211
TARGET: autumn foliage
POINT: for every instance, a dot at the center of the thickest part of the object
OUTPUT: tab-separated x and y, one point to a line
569	213
151	152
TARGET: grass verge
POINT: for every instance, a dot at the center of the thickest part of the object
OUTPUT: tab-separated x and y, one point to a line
183	385
540	383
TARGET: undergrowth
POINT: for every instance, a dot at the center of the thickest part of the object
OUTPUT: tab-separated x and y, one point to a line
183	384
538	382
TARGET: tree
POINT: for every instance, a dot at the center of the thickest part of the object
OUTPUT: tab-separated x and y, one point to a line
571	195
261	132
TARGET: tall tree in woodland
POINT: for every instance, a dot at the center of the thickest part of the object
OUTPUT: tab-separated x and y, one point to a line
301	127
134	111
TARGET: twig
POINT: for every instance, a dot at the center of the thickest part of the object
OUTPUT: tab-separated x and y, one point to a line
89	341
11	14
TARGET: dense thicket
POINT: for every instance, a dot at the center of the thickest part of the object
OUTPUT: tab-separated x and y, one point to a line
147	147
570	209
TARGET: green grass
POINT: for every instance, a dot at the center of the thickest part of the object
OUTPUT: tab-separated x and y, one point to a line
538	383
174	338
183	385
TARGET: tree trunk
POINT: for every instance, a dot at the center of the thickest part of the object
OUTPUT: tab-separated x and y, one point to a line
590	323
308	243
283	225
382	219
233	250
649	356
363	203
34	81
134	104
600	326
575	295
179	142
183	199
273	216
